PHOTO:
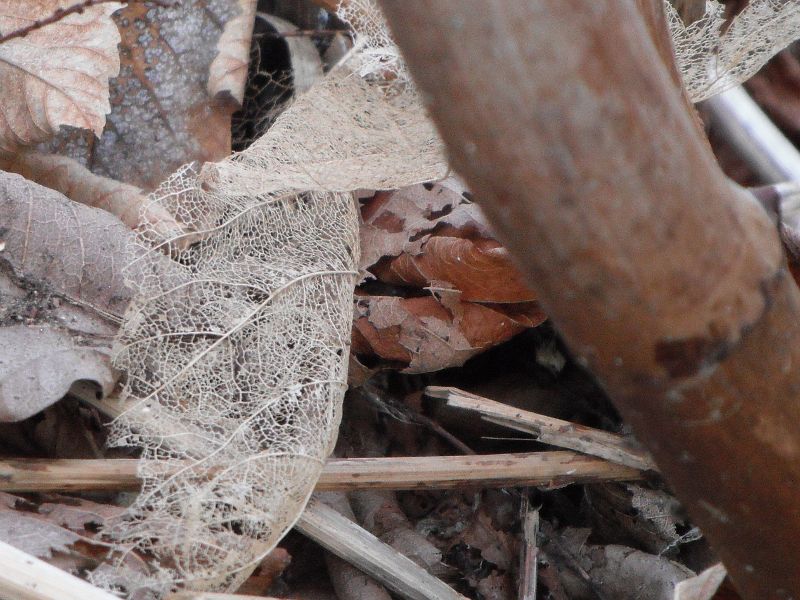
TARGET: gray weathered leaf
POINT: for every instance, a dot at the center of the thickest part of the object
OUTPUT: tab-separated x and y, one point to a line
61	295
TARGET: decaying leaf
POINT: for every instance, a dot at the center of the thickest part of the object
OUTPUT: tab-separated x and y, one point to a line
56	75
237	359
610	571
61	530
62	295
714	55
40	363
633	514
433	235
33	535
227	73
281	67
162	115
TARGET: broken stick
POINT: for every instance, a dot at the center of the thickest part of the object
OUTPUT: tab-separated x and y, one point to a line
360	548
549	430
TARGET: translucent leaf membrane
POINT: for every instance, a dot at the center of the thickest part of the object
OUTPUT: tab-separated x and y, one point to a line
713	58
236	350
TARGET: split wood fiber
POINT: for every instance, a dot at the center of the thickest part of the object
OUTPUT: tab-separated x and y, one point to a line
664	277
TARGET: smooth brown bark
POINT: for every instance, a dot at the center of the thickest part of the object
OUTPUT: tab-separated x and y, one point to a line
664	277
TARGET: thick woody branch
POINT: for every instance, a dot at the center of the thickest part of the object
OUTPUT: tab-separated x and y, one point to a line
664	277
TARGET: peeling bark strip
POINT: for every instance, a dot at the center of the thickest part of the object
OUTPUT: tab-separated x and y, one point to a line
569	127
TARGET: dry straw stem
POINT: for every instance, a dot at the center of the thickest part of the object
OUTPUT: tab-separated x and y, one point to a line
556	432
345	539
530	554
24	577
348	582
342	474
664	277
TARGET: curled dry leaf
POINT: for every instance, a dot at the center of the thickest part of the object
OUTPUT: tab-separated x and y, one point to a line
280	67
227	73
162	115
61	295
432	239
76	182
56	75
702	586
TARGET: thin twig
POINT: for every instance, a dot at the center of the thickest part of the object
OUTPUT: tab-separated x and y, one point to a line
61	13
305	33
372	393
188	595
764	147
530	554
345	539
549	430
544	469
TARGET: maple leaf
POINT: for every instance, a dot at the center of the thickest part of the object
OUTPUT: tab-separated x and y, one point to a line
56	75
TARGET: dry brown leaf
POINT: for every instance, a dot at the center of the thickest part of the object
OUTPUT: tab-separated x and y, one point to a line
30	534
432	238
61	294
61	524
61	530
429	333
162	115
56	75
432	235
39	364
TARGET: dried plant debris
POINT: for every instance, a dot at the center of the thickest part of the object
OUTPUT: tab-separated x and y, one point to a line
227	73
702	586
56	75
632	514
714	55
280	68
433	235
236	351
60	530
434	332
62	295
166	105
588	571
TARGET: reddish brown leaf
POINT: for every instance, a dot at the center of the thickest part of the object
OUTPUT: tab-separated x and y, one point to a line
481	269
427	334
432	238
